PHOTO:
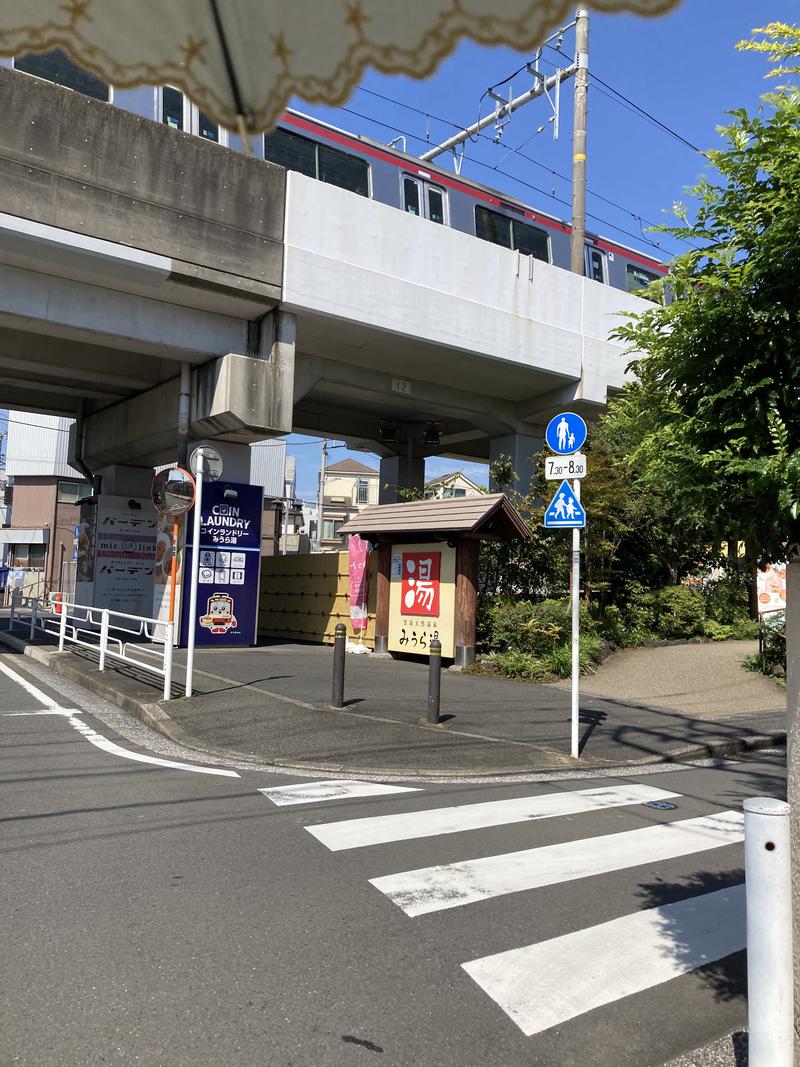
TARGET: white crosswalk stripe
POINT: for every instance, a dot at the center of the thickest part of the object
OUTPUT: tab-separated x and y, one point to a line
335	789
382	829
542	985
453	884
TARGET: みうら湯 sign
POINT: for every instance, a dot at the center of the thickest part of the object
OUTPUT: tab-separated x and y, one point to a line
422	598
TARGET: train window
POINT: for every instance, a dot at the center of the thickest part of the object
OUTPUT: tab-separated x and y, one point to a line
56	66
435	205
411	196
342	169
639	278
595	264
530	240
172	107
207	128
291	151
490	226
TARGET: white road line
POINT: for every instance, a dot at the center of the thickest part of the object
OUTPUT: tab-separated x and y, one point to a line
336	789
542	985
378	830
102	742
29	687
453	884
49	711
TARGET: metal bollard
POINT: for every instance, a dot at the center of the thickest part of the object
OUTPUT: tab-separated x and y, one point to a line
769	933
339	645
34	608
14	595
434	680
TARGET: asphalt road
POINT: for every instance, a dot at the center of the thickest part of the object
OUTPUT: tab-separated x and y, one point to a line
164	914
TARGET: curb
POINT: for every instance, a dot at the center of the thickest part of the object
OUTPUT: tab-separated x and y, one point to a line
154	716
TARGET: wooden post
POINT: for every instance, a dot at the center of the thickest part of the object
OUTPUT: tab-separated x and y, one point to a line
467	552
383	584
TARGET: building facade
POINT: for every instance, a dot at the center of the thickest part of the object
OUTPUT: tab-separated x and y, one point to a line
44	493
348	487
455	484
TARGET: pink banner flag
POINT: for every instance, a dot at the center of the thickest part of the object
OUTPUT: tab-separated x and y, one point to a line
358	550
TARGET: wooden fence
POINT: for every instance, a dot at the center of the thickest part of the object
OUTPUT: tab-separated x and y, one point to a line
302	598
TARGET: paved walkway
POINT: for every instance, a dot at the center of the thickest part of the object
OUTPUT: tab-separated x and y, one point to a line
697	679
271	704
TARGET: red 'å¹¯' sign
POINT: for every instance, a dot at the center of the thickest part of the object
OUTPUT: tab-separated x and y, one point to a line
420	586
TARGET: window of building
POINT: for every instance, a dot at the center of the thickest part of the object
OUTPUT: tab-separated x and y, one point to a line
450	490
320	161
29	555
330	528
72	492
362	491
511	233
56	66
639	278
172	107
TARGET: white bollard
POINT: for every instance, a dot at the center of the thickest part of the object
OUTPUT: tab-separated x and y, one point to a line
103	639
62	627
169	638
770	1000
14	595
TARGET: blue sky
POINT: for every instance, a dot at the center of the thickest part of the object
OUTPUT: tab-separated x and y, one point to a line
682	68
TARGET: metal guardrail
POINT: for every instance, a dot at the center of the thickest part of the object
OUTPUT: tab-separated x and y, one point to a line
111	633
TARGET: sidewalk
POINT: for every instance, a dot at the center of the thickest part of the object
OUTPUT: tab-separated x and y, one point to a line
270	704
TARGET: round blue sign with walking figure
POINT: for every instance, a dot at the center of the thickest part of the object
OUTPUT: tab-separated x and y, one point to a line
565	433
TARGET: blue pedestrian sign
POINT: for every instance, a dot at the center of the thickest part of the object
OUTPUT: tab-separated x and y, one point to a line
565	433
564	512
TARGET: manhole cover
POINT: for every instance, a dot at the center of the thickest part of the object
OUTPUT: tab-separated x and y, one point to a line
660	805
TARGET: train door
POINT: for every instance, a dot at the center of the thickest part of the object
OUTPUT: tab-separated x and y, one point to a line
423	198
596	264
177	111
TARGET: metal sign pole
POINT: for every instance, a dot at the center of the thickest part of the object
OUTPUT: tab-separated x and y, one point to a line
576	623
198	507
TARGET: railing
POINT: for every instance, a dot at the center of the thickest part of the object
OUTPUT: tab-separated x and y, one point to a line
111	633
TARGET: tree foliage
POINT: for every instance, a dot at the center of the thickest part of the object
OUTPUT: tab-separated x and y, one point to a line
717	401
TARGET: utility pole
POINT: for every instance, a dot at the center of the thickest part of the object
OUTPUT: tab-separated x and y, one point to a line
578	248
321	493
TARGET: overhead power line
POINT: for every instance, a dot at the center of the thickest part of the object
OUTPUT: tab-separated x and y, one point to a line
517	151
528	185
631	105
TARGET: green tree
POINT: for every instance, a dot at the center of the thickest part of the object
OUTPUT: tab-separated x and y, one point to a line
720	381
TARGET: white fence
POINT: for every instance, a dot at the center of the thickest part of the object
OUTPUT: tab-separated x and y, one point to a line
111	633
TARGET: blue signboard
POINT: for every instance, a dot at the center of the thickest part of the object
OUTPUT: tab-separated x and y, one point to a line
230	564
565	433
564	512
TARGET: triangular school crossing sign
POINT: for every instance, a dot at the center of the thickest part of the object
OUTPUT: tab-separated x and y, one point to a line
564	512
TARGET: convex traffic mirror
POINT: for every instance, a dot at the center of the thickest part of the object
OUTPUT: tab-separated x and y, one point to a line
173	491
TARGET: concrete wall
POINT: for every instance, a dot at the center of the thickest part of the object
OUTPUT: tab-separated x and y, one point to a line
86	166
358	260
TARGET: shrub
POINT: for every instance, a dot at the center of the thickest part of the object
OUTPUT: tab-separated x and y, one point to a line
519	665
679	612
716	631
726	600
506	622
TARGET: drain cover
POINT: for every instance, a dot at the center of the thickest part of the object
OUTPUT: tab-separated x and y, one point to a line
659	805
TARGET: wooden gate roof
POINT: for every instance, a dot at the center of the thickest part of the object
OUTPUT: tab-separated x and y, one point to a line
489	516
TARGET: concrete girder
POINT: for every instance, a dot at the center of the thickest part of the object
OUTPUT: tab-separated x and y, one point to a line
235	398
